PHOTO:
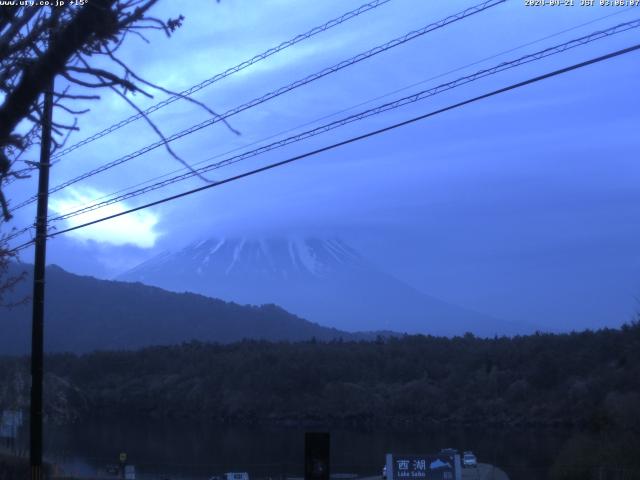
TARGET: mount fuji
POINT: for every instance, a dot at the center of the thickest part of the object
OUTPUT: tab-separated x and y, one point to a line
322	280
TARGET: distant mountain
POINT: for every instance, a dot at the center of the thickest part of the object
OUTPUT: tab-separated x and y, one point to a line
323	280
85	314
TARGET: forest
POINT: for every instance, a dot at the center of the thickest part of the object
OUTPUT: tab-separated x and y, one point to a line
588	380
585	384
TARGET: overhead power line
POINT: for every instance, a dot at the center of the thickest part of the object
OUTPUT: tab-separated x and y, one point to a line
276	93
352	107
547	52
228	72
97	202
415	97
271	166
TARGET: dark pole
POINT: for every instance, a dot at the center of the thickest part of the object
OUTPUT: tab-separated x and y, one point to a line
37	334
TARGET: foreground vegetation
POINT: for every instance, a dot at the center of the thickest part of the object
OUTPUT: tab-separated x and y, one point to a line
14	468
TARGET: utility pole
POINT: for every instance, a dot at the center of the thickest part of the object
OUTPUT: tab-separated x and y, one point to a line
37	333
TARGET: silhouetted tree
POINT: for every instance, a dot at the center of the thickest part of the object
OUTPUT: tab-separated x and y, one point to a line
7	281
38	44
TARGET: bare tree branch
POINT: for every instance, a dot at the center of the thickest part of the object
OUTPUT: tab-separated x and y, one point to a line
37	44
170	92
9	279
160	134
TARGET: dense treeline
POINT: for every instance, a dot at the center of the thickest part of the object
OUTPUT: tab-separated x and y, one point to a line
587	379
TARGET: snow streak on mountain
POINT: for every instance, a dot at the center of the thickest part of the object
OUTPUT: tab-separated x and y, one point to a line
273	258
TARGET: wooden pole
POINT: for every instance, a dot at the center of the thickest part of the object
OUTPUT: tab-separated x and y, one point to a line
37	332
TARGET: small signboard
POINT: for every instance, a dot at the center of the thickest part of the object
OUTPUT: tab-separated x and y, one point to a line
123	457
129	472
423	467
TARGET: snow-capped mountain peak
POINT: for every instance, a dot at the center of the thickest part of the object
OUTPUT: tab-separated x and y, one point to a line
284	257
321	280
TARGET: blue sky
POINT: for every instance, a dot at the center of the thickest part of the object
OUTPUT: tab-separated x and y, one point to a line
523	206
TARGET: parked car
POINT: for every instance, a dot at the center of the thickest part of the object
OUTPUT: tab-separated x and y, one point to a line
469	460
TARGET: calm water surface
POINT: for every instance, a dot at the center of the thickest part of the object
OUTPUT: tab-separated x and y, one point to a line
188	450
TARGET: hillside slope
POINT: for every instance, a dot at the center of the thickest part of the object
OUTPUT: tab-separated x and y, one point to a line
85	314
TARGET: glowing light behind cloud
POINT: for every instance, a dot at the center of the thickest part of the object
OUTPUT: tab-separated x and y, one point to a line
136	228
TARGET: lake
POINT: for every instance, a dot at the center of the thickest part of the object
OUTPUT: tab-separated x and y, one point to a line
190	450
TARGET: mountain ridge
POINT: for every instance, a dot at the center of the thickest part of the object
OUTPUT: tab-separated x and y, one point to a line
84	313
